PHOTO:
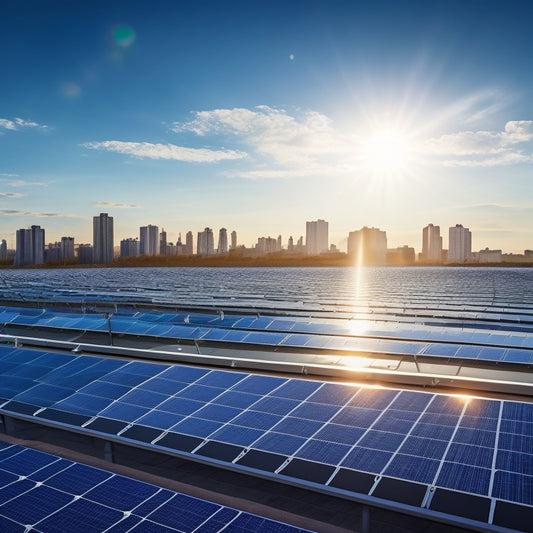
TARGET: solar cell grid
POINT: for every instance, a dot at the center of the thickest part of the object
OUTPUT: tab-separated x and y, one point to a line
421	470
339	434
296	389
366	460
465	478
83	404
373	398
331	431
197	427
143	398
237	435
278	406
316	411
515	462
257	384
78	495
470	455
300	427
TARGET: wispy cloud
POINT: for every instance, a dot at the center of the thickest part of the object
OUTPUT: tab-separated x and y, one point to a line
16	213
22	183
166	151
119	206
302	145
10	195
485	148
19	123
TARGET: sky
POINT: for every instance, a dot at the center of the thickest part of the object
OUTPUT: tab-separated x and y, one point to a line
258	116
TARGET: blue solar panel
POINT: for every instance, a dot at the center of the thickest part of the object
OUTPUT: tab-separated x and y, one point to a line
339	434
315	411
237	435
181	406
323	452
43	395
255	419
470	455
421	470
197	427
334	394
74	495
513	487
279	443
218	413
296	389
465	478
367	460
144	398
424	447
160	419
83	404
124	411
381	440
399	434
278	406
258	384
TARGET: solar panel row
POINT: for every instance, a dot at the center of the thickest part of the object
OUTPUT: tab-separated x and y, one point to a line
469	345
354	439
44	493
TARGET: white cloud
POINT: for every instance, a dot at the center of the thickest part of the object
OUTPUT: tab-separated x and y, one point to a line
511	146
113	204
308	144
166	151
16	213
296	142
22	183
18	123
10	195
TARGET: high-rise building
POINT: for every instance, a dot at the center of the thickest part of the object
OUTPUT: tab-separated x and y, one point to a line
266	245
129	247
431	243
205	244
3	249
103	242
149	240
222	241
459	245
290	245
67	248
85	254
368	246
233	240
163	242
30	246
316	237
187	249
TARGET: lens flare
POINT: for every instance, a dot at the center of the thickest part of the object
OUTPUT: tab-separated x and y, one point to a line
124	36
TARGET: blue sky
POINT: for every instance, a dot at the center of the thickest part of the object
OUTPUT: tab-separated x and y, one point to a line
258	116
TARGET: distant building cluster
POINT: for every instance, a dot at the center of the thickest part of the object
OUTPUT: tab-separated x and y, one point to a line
366	246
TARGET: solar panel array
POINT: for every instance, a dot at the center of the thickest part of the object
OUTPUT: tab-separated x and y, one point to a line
341	336
466	457
44	493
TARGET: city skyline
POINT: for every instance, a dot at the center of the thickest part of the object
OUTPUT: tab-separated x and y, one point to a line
257	117
151	241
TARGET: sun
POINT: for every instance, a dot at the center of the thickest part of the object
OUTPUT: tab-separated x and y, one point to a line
387	152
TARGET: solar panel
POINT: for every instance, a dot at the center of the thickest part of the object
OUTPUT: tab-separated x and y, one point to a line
42	492
308	431
308	334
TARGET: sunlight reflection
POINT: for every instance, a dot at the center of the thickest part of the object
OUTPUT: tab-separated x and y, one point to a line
354	362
